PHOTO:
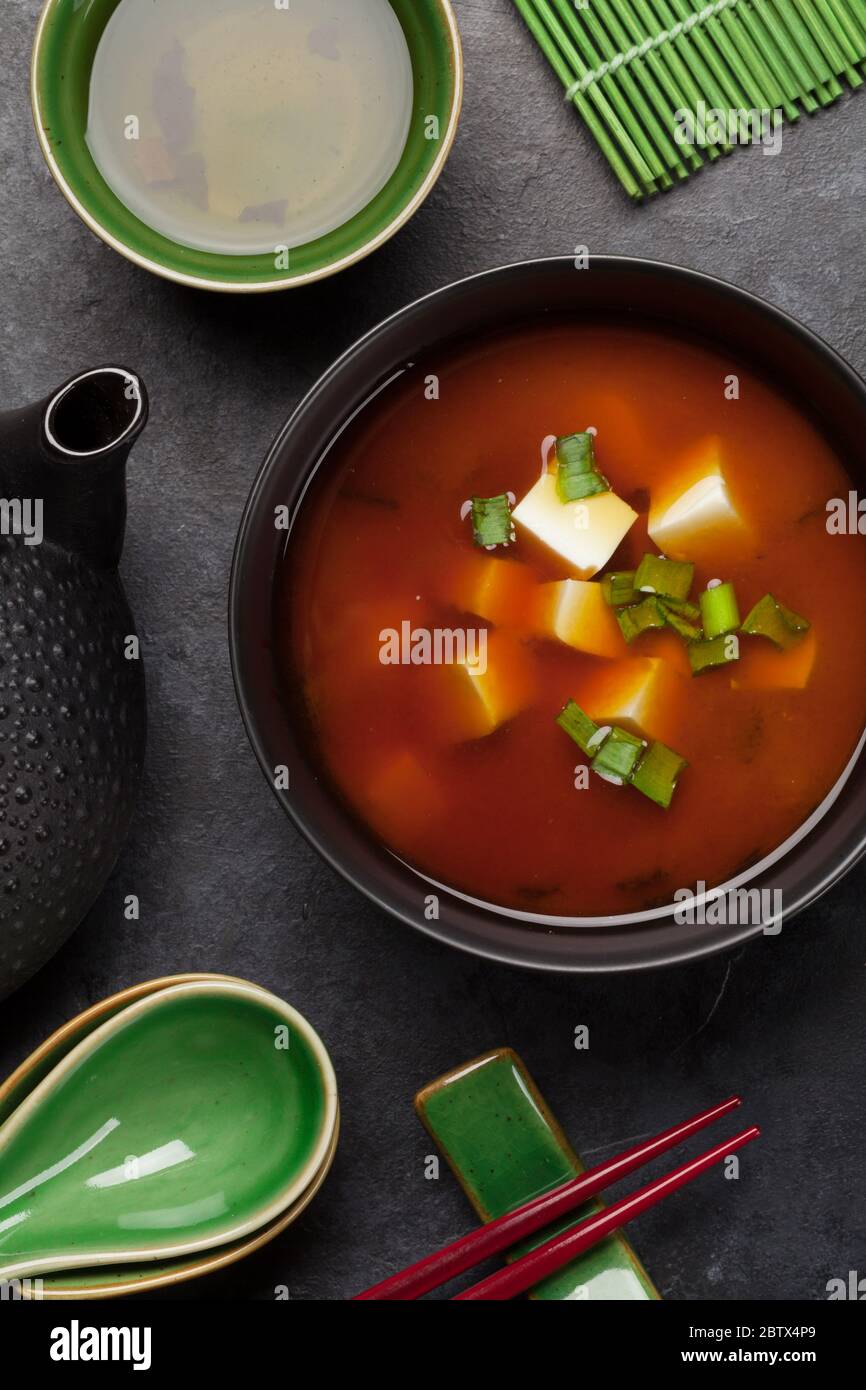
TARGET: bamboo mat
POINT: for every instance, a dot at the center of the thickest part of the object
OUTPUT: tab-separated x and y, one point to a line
666	86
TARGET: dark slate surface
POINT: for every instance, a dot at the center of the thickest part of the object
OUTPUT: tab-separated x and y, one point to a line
226	884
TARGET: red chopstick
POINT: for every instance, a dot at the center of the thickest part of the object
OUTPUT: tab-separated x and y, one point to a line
542	1211
538	1264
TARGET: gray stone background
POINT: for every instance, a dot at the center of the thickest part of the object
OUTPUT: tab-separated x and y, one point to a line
225	882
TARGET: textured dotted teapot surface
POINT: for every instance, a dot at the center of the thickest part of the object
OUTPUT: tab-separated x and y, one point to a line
72	733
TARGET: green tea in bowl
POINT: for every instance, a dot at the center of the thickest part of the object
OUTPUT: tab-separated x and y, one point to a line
243	126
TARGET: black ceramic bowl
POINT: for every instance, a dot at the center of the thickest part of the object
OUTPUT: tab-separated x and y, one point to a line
636	291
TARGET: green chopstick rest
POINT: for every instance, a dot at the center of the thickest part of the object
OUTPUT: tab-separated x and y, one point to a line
504	1146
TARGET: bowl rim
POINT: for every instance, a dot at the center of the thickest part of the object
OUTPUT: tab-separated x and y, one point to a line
286	282
292	1189
654	957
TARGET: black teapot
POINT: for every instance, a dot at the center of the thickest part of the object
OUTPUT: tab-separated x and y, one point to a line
72	698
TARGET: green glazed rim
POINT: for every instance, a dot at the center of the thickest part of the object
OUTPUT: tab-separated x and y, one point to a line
67	37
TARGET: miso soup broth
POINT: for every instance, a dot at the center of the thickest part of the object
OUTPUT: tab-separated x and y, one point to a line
238	126
463	770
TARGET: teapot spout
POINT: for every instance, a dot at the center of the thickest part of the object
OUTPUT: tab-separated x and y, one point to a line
68	453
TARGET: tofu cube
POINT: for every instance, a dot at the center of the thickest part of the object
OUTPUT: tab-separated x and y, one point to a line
695	506
642	694
577	613
763	667
584	534
503	592
480	697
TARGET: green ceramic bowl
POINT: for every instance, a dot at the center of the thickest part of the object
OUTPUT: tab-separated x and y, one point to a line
66	41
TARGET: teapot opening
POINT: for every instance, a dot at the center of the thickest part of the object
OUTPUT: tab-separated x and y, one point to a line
94	412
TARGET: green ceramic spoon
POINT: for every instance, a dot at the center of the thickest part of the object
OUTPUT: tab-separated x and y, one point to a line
186	1121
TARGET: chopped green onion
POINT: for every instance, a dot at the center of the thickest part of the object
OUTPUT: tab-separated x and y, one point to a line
719	609
618	756
618	588
641	617
656	774
491	521
684	626
577	475
577	723
770	618
687	610
720	651
576	452
585	485
667	578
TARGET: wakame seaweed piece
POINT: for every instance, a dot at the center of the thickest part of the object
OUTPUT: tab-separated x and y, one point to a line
577	723
720	611
618	756
657	772
618	588
683	626
577	476
640	617
664	578
491	521
770	618
709	655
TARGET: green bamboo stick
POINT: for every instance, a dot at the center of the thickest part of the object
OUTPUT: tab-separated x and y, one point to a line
566	77
656	17
593	94
846	35
738	34
775	60
651	70
749	93
715	83
825	85
817	19
689	92
820	35
856	13
847	18
600	45
773	25
829	34
610	84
